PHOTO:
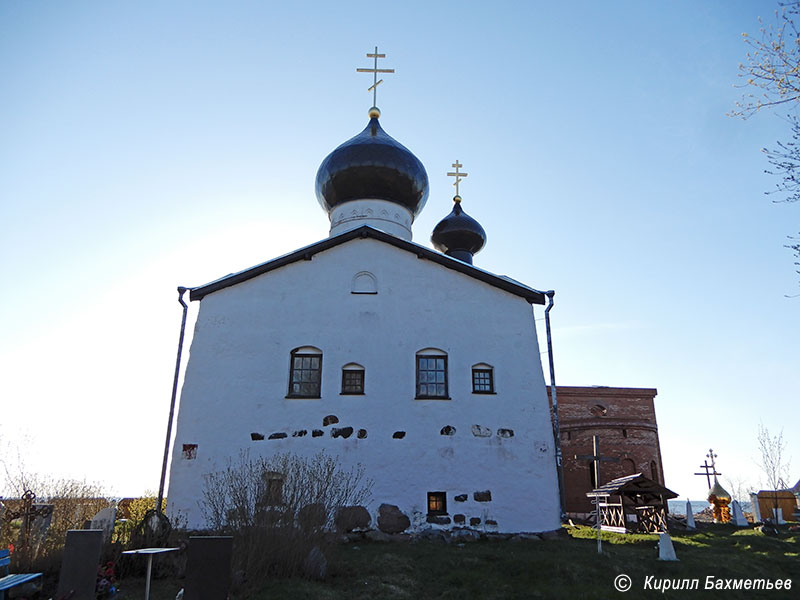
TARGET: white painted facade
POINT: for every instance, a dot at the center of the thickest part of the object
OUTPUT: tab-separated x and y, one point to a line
237	379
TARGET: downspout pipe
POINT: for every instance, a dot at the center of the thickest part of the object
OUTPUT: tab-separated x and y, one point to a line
181	292
554	396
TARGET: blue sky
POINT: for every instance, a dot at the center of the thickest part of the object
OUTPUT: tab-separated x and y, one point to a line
148	145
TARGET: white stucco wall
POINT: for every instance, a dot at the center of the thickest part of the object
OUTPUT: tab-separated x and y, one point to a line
237	379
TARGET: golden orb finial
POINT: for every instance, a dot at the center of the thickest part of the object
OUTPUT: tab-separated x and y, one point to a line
374	113
457	199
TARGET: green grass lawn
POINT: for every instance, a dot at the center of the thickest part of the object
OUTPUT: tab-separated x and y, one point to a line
557	569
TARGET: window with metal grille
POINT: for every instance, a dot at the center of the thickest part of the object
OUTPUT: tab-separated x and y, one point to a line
437	503
431	376
305	377
482	381
352	381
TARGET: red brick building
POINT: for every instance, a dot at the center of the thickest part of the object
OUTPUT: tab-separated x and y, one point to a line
624	420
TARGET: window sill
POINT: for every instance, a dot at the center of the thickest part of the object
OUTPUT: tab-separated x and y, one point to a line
352	394
432	398
484	393
290	397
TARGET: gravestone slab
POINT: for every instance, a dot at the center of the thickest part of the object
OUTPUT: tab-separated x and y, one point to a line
777	516
105	520
79	566
665	548
738	517
208	568
690	515
756	510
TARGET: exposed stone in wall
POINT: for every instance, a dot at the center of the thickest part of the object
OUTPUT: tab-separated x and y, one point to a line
491	522
505	433
299	433
189	451
459	519
391	519
399	435
279	435
312	516
482	496
349	518
481	431
448	430
438	519
344	432
256	436
362	433
329	420
461	498
317	433
473	521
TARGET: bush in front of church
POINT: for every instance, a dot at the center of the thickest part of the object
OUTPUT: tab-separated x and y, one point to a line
280	510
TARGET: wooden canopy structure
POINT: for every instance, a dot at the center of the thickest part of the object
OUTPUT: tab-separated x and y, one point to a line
632	504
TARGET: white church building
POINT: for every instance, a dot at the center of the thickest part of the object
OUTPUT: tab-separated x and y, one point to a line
409	361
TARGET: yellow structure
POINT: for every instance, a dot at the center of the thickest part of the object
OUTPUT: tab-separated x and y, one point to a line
720	499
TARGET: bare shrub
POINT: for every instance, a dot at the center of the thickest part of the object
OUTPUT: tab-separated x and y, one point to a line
279	508
73	501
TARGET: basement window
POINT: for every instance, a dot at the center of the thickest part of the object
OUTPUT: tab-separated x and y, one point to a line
437	503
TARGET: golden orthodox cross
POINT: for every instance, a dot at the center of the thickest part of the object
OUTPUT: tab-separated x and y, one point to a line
375	70
459	176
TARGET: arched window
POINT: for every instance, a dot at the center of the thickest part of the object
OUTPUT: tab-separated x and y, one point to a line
431	373
352	379
482	379
305	373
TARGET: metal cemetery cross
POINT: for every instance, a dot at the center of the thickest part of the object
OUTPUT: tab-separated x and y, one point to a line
710	469
27	512
459	176
375	70
596	459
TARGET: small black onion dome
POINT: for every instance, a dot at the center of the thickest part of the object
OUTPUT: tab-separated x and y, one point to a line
372	165
458	235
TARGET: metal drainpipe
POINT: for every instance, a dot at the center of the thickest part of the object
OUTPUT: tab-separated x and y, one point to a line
553	394
181	292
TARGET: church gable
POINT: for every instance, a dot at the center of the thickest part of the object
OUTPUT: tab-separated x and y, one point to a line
364	281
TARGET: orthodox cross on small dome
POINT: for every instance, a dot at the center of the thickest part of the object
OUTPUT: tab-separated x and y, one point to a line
710	469
459	176
375	70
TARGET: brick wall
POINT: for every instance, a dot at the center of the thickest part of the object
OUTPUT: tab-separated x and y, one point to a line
623	419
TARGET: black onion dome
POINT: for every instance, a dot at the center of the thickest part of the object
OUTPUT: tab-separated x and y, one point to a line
372	165
458	234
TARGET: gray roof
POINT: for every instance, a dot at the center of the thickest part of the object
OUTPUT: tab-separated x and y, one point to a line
504	283
632	484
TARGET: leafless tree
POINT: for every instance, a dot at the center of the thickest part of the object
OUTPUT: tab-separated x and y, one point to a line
772	71
773	460
280	507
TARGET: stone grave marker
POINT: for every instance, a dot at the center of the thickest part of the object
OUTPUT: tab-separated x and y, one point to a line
105	520
665	548
738	516
79	566
690	524
756	509
208	568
